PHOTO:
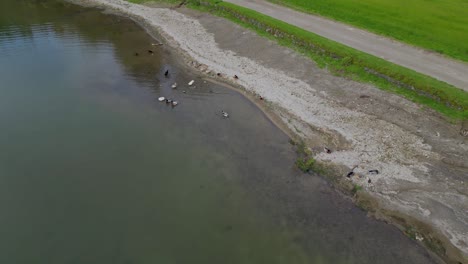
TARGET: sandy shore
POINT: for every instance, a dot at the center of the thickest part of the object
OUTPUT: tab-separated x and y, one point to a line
422	158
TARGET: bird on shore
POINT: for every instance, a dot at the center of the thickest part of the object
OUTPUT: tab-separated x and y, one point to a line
327	150
236	77
369	181
174	103
166	73
224	114
351	173
150	52
464	132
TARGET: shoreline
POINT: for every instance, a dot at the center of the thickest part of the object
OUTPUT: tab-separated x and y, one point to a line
296	122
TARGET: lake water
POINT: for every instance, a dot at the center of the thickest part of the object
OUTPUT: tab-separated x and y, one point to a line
93	169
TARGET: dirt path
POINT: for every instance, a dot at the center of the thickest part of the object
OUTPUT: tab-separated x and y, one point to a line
422	61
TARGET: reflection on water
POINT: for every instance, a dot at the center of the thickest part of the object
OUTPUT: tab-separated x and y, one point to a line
93	169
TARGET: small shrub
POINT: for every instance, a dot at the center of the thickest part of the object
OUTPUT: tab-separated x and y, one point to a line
305	164
301	149
411	233
356	188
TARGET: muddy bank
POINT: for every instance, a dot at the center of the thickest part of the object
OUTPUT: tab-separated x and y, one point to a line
420	156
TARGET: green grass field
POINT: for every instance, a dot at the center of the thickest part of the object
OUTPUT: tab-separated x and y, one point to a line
438	25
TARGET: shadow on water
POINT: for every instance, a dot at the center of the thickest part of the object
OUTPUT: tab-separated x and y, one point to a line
94	169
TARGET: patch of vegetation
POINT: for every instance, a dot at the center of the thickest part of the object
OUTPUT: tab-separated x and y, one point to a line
436	25
356	188
411	233
301	148
435	245
305	164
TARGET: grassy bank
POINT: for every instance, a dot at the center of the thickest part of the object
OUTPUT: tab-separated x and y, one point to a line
437	25
345	61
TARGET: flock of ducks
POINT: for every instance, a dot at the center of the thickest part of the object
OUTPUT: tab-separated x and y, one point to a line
351	173
371	172
168	101
172	102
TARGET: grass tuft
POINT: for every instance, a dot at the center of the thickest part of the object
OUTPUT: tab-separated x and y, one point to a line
356	188
305	164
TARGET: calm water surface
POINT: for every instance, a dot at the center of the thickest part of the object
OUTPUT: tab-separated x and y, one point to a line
93	169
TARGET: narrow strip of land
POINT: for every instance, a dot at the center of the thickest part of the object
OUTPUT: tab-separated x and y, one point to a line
431	64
